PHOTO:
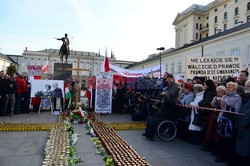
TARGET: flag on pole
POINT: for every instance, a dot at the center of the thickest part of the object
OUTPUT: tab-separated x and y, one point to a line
46	67
106	62
235	76
99	54
68	93
178	78
247	64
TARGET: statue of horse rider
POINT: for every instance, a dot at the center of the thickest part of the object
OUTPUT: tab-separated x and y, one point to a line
64	50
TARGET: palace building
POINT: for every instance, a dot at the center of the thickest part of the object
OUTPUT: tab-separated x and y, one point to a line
219	29
88	60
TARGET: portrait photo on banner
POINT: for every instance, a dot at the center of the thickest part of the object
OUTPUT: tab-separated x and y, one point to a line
47	88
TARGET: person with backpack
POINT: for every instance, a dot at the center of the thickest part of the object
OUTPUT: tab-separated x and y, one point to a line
243	128
227	124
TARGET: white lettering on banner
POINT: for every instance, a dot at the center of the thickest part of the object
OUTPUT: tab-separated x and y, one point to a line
103	93
212	67
137	73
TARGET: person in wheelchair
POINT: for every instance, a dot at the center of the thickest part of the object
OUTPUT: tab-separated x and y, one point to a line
166	111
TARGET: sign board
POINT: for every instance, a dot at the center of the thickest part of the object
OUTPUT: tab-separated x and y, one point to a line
214	68
47	88
34	70
137	73
103	97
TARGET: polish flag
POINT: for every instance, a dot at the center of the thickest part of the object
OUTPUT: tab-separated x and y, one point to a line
46	67
178	78
235	76
247	64
106	62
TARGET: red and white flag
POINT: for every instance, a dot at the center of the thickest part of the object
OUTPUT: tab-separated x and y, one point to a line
178	78
247	64
235	76
46	67
106	62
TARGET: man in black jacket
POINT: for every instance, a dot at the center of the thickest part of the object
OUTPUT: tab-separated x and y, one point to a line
11	87
2	92
166	110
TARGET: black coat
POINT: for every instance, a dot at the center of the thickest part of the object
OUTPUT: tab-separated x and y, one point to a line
206	102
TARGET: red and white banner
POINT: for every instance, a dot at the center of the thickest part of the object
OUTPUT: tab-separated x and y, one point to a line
136	73
34	70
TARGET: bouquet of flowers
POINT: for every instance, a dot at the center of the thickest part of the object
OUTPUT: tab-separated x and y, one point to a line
77	115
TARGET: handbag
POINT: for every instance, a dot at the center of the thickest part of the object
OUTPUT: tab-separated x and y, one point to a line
198	120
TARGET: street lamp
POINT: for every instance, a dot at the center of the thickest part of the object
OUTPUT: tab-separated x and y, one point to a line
161	49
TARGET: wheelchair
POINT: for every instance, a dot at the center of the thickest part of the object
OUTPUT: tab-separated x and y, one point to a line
166	130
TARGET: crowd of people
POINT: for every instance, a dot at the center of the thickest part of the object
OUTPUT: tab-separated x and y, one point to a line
224	133
14	94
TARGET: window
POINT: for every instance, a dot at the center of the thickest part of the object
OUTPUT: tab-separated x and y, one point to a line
199	18
248	18
236	22
235	1
215	10
220	53
180	67
207	25
25	58
166	69
196	35
32	58
197	26
225	5
172	68
206	34
200	26
215	19
38	59
248	6
236	11
235	52
207	17
215	30
225	15
225	27
200	36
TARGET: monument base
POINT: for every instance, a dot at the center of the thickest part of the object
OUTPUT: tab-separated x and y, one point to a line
61	72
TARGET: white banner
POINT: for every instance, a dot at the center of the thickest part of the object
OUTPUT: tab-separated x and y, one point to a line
137	73
103	93
34	70
47	88
214	68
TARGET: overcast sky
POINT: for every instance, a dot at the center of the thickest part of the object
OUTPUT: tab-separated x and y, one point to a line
133	29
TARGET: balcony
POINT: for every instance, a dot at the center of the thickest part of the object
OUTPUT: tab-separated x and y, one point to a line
204	29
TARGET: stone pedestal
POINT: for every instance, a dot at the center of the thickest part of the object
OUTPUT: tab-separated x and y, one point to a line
61	72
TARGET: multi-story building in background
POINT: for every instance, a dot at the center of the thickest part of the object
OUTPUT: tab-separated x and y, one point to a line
198	22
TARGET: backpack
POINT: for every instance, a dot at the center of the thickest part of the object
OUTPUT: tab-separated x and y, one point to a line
225	127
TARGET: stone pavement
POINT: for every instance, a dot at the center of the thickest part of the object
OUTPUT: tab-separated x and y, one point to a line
159	153
24	148
86	149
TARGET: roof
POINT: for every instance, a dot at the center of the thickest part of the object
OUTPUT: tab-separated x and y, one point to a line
6	57
224	33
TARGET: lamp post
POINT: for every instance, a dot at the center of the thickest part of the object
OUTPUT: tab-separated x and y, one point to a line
161	49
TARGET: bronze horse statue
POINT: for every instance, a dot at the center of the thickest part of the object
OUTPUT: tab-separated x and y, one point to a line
64	50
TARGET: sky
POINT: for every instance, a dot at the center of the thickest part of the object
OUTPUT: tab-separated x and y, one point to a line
133	29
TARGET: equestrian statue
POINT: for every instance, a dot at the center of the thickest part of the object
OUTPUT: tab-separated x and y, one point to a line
64	50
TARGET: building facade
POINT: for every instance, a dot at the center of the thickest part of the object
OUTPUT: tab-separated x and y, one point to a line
198	22
234	42
5	62
88	60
